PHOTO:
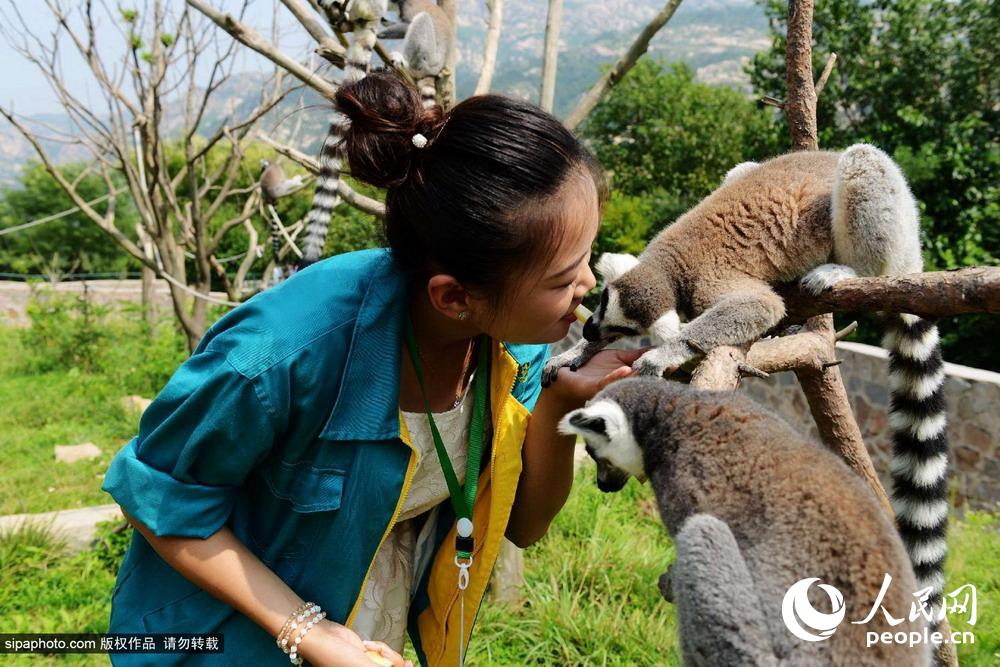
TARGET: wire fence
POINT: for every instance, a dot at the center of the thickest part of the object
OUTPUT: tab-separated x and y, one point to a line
251	281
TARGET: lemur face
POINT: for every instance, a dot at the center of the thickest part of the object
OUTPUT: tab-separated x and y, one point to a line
610	443
630	305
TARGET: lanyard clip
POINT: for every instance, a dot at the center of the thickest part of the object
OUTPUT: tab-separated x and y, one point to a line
463	572
463	536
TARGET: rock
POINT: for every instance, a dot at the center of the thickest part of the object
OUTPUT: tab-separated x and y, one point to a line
136	403
967	457
74	453
76	526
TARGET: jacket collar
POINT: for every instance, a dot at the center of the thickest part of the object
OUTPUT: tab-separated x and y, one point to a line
367	404
366	407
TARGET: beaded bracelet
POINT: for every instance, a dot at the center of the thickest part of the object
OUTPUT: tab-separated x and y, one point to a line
291	623
293	653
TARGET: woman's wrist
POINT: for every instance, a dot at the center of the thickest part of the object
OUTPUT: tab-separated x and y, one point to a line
560	399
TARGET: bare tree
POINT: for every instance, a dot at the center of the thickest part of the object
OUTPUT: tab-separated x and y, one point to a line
319	24
131	140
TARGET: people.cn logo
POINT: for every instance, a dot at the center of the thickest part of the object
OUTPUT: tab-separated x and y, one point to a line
802	620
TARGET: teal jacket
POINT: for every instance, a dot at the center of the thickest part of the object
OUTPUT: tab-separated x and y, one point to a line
284	425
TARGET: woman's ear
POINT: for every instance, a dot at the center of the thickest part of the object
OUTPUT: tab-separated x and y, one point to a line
447	295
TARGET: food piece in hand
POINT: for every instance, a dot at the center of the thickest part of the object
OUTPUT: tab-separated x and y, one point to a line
378	658
582	314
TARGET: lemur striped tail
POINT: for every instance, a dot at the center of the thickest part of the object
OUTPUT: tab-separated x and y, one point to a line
920	460
428	93
275	238
331	159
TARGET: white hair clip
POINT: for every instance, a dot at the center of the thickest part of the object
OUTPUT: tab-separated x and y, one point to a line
419	140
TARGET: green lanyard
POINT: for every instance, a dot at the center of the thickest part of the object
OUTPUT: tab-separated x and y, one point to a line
461	499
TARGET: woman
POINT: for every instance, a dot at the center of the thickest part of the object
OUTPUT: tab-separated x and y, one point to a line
291	458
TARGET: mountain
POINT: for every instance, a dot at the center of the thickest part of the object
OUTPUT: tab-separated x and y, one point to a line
714	37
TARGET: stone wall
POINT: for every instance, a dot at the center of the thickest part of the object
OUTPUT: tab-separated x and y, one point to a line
973	397
14	295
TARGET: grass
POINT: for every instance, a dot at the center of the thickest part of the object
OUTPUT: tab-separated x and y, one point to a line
46	590
59	386
590	594
55	408
590	590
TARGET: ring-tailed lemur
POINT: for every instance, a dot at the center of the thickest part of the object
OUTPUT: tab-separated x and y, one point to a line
426	33
753	507
363	15
774	222
273	186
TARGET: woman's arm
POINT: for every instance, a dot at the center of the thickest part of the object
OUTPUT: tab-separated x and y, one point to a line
547	470
547	456
222	565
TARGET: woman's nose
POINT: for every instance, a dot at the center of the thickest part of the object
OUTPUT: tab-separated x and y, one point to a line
588	283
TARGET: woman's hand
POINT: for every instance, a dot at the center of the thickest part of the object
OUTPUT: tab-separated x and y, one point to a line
607	366
331	644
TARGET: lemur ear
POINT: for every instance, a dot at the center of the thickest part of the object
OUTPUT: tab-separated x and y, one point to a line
611	265
580	422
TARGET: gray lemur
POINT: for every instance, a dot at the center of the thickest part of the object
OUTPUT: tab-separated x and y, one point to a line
364	16
754	507
426	32
822	215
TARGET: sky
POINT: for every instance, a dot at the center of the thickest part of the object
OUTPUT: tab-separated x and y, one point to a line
22	87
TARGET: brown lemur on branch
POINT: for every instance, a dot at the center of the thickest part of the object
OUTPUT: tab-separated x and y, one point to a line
273	186
813	216
757	513
363	17
426	32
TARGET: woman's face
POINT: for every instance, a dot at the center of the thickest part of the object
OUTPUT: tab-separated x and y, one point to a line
541	310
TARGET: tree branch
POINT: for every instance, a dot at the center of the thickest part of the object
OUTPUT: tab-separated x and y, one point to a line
107	225
355	199
831	409
446	79
250	37
328	48
931	295
620	68
550	58
800	104
827	69
490	49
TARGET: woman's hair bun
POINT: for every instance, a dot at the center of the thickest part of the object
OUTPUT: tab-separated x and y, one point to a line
385	111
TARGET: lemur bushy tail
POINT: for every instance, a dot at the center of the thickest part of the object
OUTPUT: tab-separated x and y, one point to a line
920	446
364	14
876	230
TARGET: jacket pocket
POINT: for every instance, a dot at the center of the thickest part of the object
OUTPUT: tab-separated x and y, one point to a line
307	487
290	503
197	611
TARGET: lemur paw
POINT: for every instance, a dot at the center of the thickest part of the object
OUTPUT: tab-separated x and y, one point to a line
573	358
397	60
824	277
664	359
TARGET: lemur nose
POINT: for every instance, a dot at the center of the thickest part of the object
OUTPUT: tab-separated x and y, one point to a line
591	331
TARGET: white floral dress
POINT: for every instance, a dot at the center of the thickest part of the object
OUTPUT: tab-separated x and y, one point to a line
386	599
